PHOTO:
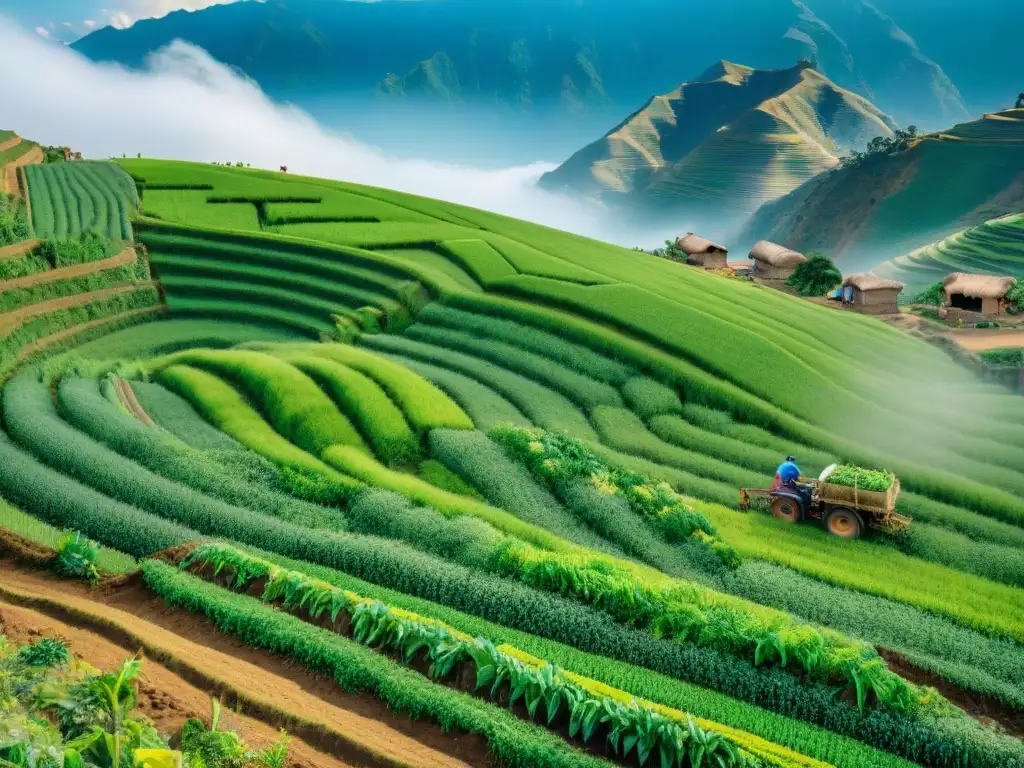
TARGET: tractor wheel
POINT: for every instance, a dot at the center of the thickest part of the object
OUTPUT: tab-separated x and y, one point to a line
844	523
786	510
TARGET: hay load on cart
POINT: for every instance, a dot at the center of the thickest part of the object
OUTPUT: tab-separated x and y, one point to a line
846	500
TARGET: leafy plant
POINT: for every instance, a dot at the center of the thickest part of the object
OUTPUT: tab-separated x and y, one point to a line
816	276
48	652
933	295
865	479
77	556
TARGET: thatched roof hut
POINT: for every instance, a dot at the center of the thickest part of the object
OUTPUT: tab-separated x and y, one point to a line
874	295
703	252
977	293
773	261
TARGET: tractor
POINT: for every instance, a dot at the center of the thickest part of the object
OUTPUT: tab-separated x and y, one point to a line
844	511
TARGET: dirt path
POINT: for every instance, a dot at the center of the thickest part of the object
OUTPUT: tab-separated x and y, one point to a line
355	728
127	256
10	143
977	341
127	396
10	181
9	321
164	697
55	338
18	249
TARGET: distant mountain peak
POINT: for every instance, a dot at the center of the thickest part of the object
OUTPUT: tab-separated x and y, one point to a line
730	140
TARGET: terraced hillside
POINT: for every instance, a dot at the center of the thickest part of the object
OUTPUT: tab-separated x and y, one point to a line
880	210
485	473
725	143
995	247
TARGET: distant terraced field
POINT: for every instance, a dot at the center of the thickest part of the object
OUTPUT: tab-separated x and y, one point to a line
994	248
443	459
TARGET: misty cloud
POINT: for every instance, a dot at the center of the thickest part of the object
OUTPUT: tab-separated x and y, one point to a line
187	106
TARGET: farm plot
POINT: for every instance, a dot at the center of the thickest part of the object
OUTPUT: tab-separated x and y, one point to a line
73	198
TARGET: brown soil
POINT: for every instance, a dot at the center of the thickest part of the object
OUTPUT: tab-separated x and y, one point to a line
978	340
10	181
164	697
55	338
18	249
358	729
987	709
127	256
9	321
24	551
10	143
127	396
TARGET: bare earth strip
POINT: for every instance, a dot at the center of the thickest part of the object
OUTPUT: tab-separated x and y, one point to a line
33	157
9	321
127	256
10	143
127	396
18	249
56	338
358	729
164	697
977	342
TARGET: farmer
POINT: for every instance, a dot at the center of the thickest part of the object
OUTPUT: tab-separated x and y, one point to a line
787	473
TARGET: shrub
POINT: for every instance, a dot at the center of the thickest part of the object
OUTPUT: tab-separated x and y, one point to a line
1003	358
816	276
77	556
14	226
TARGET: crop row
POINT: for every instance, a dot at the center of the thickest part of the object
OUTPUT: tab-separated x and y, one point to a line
702	388
137	532
82	405
589	706
543	406
72	198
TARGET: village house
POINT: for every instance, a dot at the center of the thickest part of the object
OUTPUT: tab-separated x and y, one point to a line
773	261
703	253
872	295
983	294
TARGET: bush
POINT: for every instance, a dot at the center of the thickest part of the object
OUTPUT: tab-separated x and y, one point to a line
816	276
76	557
14	226
1003	358
934	295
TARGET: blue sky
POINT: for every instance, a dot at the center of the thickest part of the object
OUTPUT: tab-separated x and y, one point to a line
67	20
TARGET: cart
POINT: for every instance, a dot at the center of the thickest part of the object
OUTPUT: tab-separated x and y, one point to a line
844	511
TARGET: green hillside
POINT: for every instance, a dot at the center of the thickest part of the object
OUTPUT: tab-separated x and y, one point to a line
433	451
885	208
726	143
995	247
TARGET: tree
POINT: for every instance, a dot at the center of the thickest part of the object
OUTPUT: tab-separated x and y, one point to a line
880	146
816	276
933	295
1020	101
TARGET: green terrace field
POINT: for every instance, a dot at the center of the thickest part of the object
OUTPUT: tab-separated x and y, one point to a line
995	247
488	474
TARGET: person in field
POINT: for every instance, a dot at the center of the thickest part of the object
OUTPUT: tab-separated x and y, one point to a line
787	473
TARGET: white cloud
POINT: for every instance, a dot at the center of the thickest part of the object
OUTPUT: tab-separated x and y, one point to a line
42	32
189	107
120	20
89	24
130	11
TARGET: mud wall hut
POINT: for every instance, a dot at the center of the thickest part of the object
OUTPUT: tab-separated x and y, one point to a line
703	253
773	261
873	295
985	294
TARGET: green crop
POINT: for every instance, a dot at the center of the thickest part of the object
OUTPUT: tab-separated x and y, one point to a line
865	479
580	389
650	398
543	406
72	198
484	406
545	690
83	406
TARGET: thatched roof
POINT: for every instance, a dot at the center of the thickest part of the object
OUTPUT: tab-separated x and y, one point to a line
871	283
775	255
978	286
692	244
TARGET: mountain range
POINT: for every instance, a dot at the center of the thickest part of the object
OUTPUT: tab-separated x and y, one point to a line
586	59
725	143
